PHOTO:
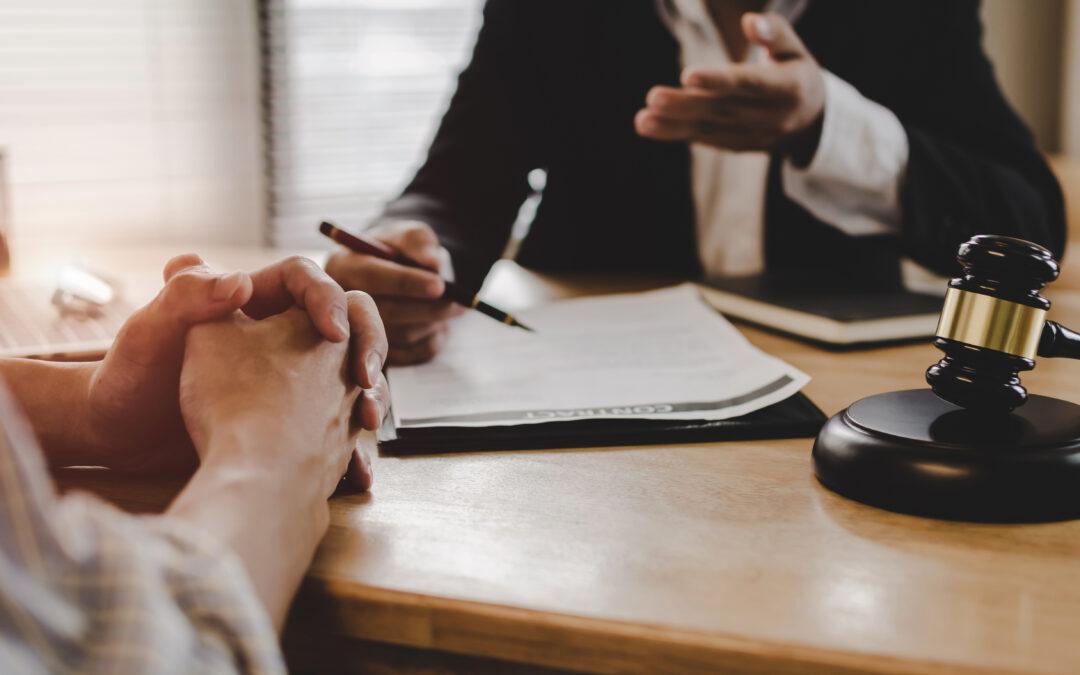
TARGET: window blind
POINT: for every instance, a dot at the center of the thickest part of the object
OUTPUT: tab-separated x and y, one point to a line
134	120
353	93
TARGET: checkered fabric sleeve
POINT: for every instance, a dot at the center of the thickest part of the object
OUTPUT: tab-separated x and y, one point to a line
86	588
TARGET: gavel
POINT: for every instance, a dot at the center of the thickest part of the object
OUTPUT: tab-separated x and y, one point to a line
1001	456
993	324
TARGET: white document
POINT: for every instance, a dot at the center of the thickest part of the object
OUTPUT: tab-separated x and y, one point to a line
657	355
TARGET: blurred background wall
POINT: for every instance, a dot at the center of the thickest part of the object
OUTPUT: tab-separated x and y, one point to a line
1024	39
141	120
132	119
1035	48
1070	89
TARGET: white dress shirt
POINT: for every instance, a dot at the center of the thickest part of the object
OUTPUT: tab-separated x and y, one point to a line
852	182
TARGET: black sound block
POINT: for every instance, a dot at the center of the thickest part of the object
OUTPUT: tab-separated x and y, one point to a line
912	452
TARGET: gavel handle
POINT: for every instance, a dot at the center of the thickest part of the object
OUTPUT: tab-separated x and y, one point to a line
1059	341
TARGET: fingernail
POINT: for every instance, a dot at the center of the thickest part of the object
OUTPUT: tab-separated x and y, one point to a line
440	337
379	412
435	288
369	470
458	310
226	286
433	253
373	363
763	28
341	321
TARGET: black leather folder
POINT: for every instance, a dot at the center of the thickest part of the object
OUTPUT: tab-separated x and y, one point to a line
795	417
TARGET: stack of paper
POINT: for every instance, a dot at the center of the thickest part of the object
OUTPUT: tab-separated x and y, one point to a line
661	355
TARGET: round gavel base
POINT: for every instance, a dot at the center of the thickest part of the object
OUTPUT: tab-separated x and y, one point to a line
912	452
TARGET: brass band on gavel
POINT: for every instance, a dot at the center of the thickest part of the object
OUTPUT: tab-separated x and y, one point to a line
993	323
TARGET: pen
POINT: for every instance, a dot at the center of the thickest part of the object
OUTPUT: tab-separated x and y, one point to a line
359	244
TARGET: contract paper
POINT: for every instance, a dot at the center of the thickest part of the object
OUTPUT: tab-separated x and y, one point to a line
657	355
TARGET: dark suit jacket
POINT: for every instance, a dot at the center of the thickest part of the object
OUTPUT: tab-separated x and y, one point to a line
555	84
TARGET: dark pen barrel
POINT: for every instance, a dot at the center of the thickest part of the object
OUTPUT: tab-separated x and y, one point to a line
499	315
461	297
451	291
458	294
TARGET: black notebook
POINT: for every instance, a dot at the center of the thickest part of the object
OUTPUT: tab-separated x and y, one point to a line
795	417
835	317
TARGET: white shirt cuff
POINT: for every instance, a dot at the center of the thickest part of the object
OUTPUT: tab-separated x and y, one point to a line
853	182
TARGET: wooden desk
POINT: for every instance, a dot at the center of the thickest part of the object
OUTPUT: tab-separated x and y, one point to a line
689	558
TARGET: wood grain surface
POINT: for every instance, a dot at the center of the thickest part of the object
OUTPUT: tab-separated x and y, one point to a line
683	558
695	557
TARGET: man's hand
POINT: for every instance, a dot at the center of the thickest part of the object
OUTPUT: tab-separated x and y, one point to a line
272	410
774	106
277	387
408	298
133	406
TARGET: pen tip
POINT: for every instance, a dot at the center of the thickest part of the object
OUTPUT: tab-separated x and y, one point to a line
326	228
523	326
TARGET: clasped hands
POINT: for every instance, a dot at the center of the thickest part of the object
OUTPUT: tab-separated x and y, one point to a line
282	356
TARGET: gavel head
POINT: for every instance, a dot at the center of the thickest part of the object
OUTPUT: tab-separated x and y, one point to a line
991	323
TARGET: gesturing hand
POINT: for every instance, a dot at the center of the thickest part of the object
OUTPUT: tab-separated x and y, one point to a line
777	105
133	402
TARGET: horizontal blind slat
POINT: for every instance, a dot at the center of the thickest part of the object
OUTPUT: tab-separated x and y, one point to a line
131	119
355	90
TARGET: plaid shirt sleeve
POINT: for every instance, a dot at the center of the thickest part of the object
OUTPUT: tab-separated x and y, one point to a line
86	588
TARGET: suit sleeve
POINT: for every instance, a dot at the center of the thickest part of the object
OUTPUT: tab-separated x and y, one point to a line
474	180
973	166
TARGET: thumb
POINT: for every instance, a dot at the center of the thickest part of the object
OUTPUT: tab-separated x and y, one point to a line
414	240
154	335
774	33
194	293
147	354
